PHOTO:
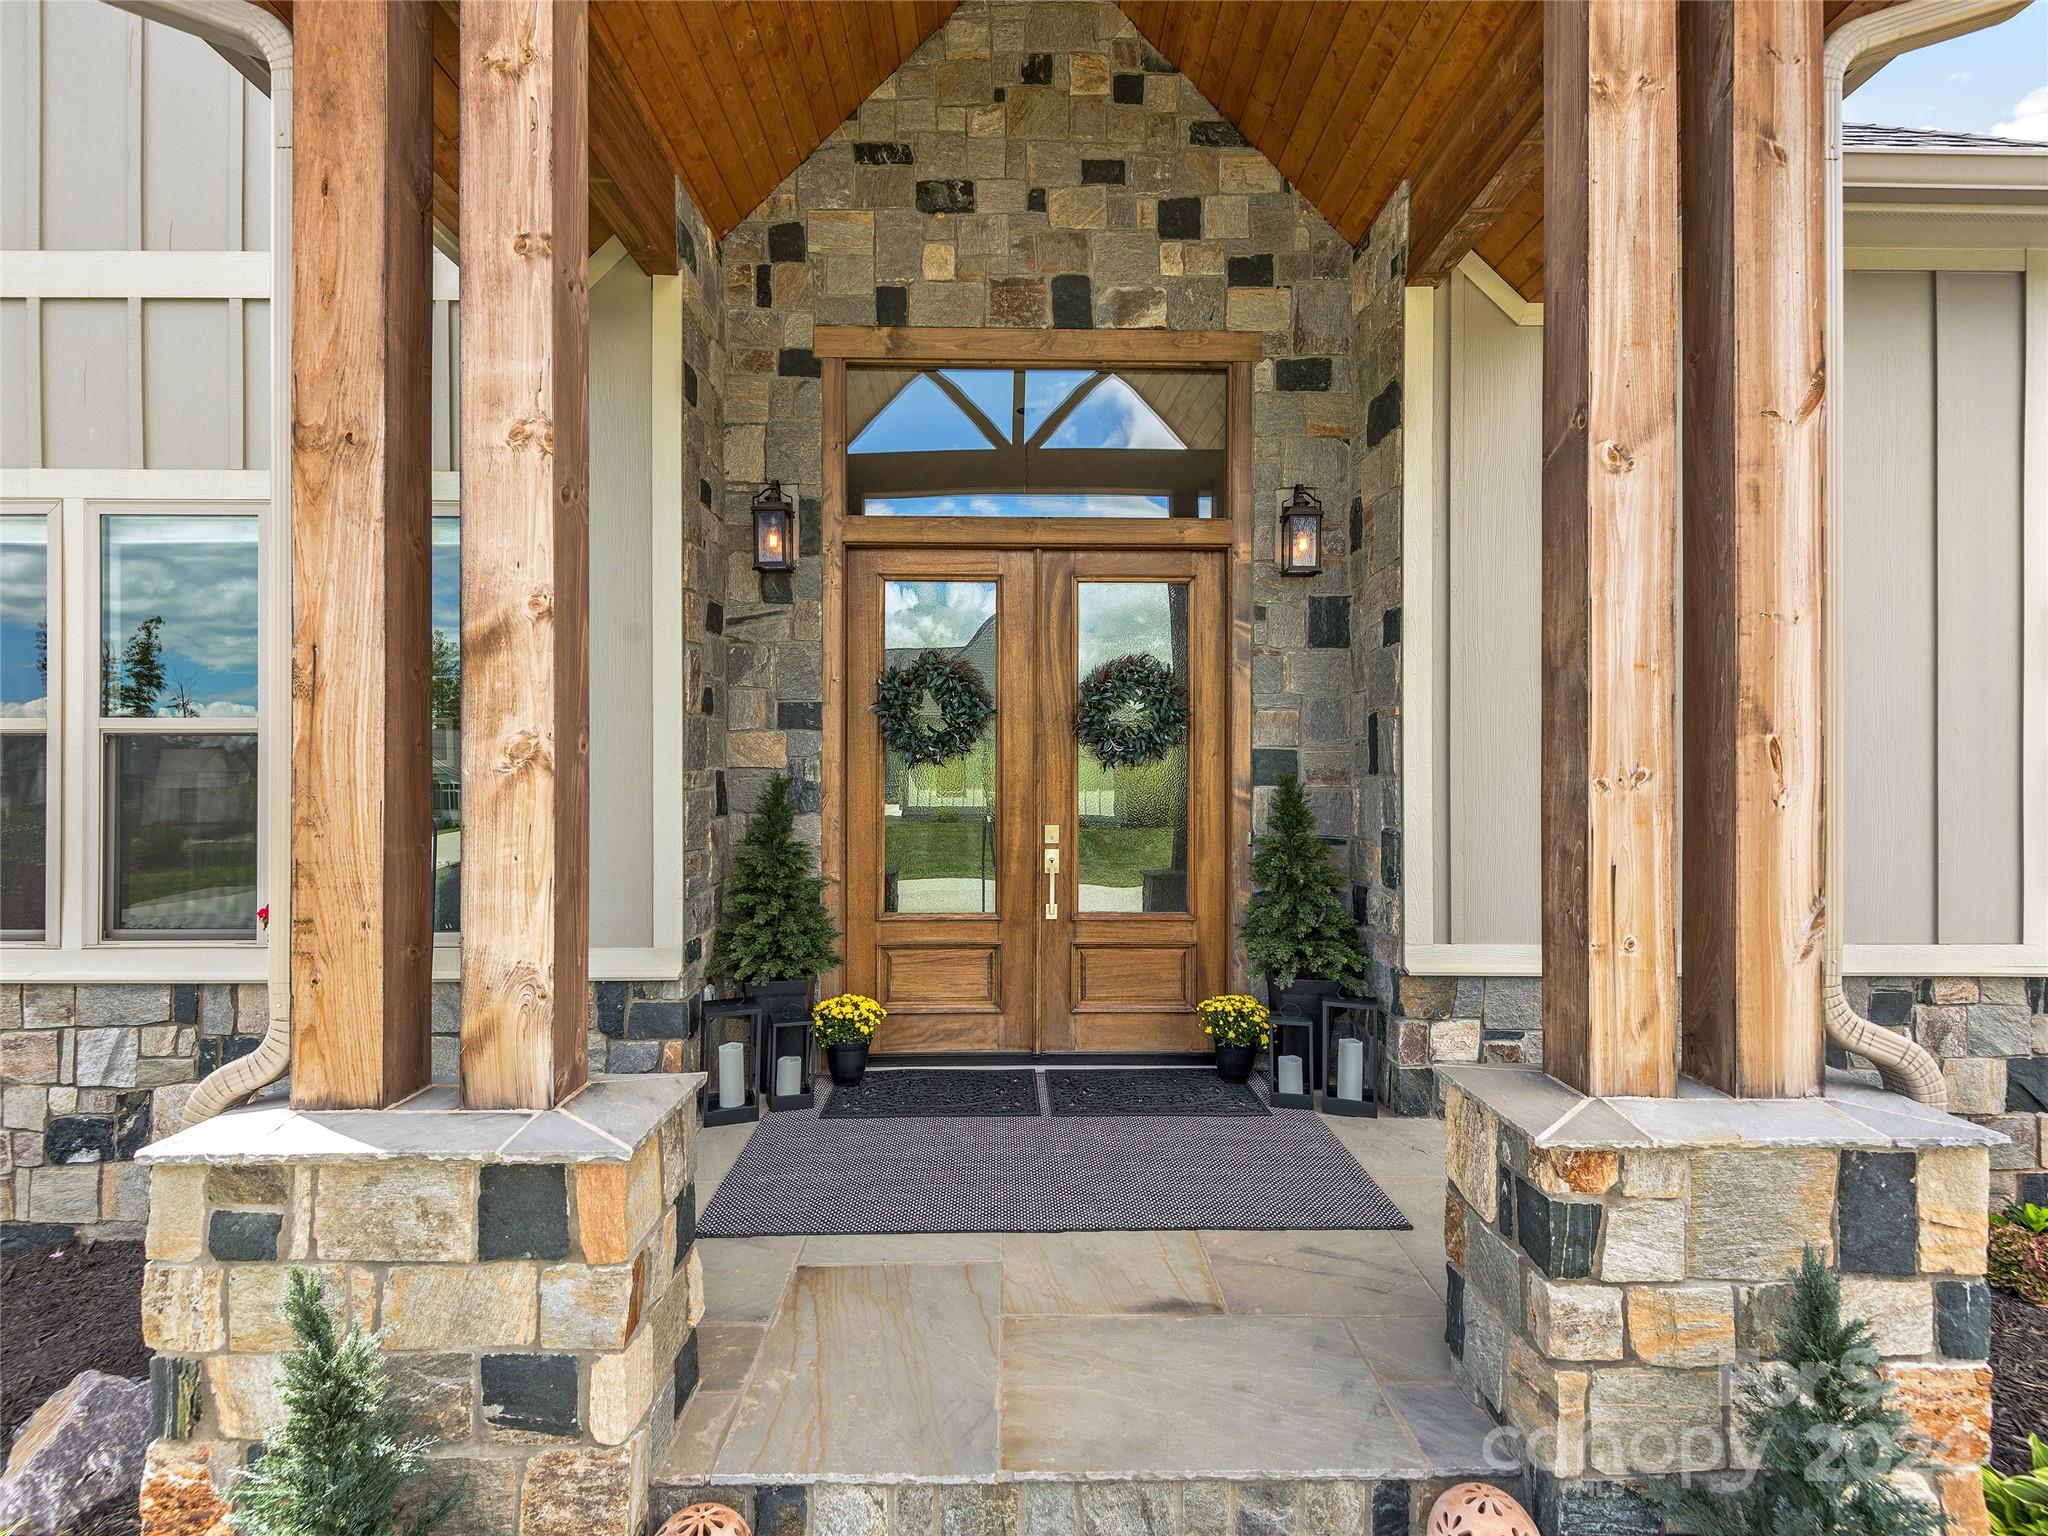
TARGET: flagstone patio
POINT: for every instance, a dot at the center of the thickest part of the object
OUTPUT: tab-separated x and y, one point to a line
1083	1356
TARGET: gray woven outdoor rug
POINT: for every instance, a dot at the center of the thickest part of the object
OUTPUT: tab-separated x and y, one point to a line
801	1174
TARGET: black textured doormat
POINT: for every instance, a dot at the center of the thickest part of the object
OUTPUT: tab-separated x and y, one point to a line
801	1173
1143	1091
924	1094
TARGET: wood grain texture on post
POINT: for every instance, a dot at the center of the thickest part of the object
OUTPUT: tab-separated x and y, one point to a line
525	553
362	829
1610	488
1752	147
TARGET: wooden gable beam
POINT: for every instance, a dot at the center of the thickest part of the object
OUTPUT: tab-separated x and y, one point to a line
632	188
1488	152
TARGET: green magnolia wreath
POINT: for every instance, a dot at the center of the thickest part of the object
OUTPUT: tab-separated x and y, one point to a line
1131	711
934	709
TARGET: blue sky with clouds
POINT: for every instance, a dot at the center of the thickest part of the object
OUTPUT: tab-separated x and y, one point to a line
1992	81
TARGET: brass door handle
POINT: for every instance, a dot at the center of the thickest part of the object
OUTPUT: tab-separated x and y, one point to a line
1052	883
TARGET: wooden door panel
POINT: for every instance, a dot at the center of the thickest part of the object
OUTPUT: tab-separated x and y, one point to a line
924	977
1117	980
952	981
1108	978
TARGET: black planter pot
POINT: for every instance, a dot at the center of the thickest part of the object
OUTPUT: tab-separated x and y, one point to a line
1234	1062
1302	1000
783	1001
847	1062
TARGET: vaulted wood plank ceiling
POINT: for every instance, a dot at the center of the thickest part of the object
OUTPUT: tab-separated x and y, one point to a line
1349	98
729	96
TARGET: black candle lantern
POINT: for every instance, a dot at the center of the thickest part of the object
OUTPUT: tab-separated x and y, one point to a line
792	1037
1294	1056
1346	1018
734	1022
1301	535
774	530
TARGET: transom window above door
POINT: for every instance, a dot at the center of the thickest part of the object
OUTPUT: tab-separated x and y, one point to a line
1035	442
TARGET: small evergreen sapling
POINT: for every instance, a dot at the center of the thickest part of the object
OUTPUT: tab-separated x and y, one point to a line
344	1459
1825	1440
775	926
1296	923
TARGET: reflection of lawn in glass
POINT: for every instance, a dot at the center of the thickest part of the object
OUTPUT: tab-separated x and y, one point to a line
938	850
953	850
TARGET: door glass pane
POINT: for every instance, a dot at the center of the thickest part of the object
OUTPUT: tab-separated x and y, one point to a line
24	842
178	616
24	617
938	819
1134	819
447	748
181	856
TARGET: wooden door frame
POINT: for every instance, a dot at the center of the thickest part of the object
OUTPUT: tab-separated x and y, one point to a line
1235	352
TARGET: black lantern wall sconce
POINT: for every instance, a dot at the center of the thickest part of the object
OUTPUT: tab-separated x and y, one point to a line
774	530
1301	534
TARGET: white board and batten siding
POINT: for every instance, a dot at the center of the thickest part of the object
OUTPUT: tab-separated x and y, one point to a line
135	372
1945	608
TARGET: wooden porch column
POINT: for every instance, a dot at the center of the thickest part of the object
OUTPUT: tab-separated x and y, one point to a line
362	824
1752	148
1610	482
525	553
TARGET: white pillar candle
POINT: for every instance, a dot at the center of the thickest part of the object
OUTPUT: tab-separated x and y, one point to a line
789	1076
1290	1074
732	1074
1350	1069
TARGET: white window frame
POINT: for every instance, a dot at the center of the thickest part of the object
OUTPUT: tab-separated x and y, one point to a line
1425	951
74	949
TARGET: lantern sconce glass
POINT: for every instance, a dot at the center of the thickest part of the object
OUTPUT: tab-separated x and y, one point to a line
1301	535
774	530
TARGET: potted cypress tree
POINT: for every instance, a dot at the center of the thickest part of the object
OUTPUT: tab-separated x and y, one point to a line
775	936
1298	932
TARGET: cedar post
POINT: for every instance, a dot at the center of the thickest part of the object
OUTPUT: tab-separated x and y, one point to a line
1752	152
525	553
361	823
1610	479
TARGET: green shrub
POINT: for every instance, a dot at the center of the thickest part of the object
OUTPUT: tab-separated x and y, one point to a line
2033	1217
1826	1440
2019	1504
775	926
345	1459
1297	923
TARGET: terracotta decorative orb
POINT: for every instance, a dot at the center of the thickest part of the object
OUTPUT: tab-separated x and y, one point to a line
710	1520
1479	1509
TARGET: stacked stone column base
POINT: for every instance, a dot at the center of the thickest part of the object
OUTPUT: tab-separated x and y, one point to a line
1613	1263
534	1277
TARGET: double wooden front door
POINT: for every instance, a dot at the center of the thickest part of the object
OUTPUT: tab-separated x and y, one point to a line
1023	897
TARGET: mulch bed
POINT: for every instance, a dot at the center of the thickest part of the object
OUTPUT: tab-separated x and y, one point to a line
2019	1379
65	1308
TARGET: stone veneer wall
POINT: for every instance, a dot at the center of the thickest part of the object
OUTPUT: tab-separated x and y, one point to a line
1990	1034
92	1073
537	1284
1388	1506
705	647
1038	165
1607	1259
